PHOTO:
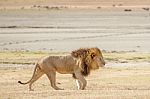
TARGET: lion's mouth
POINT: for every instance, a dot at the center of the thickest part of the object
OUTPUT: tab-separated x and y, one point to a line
101	65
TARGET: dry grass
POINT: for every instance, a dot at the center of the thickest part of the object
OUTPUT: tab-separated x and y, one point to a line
23	57
127	56
20	57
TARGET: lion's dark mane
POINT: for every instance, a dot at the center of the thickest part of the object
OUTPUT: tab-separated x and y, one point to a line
82	53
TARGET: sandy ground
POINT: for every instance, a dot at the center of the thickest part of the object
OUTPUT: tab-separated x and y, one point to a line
108	27
111	82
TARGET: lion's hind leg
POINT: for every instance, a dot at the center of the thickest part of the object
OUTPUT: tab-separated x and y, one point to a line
38	73
52	77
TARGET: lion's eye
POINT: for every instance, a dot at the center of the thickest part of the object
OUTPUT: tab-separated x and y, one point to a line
93	55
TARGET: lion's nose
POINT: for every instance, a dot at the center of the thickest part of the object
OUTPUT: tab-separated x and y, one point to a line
103	63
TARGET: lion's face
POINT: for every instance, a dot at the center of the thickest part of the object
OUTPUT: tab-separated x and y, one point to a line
90	58
97	58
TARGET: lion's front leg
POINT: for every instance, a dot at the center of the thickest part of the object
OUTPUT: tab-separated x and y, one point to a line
81	82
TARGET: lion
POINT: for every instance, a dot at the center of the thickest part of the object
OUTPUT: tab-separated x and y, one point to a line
79	63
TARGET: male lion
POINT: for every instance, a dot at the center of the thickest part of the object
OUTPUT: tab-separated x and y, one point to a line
78	63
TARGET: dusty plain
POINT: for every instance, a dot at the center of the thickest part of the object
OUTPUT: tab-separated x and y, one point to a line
30	29
125	76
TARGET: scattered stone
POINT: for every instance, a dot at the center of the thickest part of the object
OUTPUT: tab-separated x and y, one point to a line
146	9
22	8
120	4
98	7
127	10
124	62
58	83
138	46
114	5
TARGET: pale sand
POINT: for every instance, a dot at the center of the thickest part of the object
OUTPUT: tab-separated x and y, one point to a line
113	82
109	83
125	76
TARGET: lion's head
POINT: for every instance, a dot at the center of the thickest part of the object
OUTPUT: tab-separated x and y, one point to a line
90	58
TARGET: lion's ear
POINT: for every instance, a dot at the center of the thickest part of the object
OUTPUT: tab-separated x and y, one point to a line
74	54
88	52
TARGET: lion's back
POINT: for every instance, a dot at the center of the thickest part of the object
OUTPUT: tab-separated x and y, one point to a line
62	64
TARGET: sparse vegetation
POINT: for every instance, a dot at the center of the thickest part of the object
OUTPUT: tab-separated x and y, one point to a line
48	7
99	7
146	9
128	56
128	10
23	57
26	57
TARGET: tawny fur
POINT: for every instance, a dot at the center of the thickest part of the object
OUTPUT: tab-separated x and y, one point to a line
79	63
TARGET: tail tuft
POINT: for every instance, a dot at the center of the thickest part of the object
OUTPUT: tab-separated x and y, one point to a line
20	82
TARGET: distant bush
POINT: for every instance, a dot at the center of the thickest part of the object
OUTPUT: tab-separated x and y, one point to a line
147	9
127	10
98	7
49	7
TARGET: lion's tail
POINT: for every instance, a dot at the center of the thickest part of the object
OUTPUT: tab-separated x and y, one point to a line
37	65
